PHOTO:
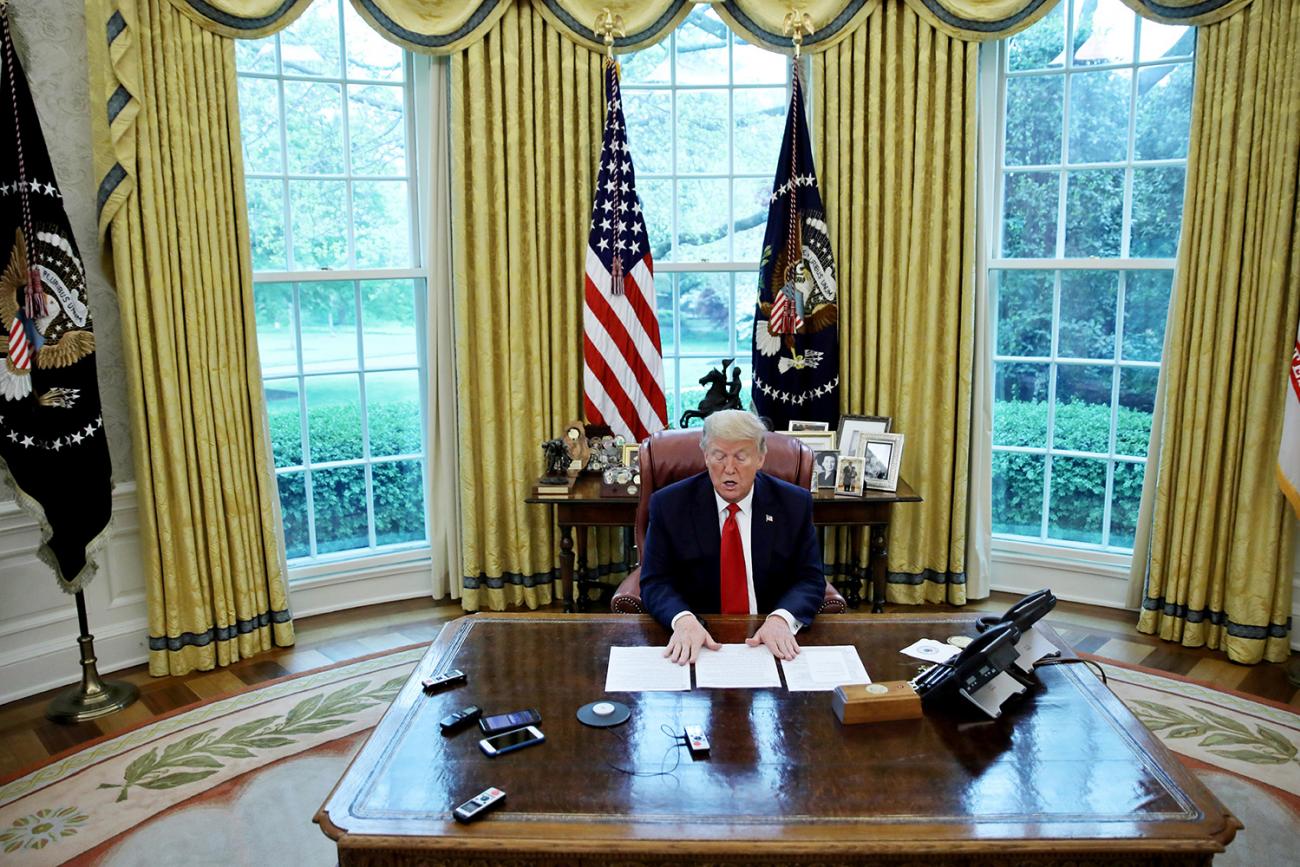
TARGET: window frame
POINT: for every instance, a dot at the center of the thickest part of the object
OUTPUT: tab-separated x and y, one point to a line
416	83
1046	552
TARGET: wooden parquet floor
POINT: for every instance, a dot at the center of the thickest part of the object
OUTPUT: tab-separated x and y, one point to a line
27	738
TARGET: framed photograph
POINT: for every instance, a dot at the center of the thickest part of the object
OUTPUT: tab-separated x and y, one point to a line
854	427
884	452
808	425
825	463
817	440
848	478
632	456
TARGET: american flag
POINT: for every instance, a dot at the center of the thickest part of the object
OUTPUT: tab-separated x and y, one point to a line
623	367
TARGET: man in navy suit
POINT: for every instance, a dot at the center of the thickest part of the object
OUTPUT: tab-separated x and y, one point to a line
731	540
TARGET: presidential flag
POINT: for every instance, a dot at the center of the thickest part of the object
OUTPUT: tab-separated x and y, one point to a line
796	334
1288	457
623	368
51	431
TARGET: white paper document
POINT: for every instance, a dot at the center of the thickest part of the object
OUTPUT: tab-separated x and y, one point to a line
931	650
737	665
824	668
644	669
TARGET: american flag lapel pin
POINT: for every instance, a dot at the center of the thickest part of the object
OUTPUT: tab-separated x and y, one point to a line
769	518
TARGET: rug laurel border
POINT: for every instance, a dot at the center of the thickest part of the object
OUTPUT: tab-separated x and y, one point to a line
108	749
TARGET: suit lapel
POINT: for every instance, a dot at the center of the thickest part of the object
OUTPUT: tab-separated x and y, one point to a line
760	533
707	532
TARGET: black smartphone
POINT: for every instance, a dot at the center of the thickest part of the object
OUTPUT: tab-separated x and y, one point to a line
504	722
511	741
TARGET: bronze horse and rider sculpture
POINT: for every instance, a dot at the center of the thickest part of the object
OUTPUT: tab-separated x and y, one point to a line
720	394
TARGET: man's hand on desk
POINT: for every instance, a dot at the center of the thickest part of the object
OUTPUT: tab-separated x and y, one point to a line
689	635
776	635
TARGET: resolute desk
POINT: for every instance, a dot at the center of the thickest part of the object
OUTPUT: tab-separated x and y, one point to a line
1066	775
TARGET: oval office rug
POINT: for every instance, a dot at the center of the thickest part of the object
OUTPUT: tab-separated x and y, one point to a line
232	780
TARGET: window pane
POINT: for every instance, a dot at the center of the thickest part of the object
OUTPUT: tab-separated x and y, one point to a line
284	421
751	202
381	224
754	65
1124	503
1082	418
255	55
339	496
1041	46
1034	118
1078	500
649	115
1146	304
701	42
705	304
1029	215
1157	211
277	343
333	418
389	335
692	371
746	301
702	221
657	209
1088	301
399	502
701	132
664	310
266	223
293	511
1024	325
1099	104
1164	112
1094	212
259	124
1020	404
310	45
329	326
1103	32
1159	41
313	115
670	390
1137	401
377	130
649	65
319	218
1018	494
760	123
370	56
393	412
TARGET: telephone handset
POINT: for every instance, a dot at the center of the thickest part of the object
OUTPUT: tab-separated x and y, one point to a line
987	656
1024	614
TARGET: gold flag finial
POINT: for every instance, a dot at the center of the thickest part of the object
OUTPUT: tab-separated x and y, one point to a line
796	25
609	25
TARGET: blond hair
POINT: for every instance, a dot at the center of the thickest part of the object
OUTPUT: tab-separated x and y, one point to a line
734	424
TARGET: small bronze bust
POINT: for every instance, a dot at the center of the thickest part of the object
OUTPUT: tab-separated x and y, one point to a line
555	454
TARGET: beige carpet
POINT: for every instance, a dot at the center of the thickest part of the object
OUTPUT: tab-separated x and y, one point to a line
237	780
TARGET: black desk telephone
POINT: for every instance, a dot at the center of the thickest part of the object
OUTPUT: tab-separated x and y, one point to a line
988	655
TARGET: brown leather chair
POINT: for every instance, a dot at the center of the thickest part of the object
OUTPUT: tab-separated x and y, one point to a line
672	455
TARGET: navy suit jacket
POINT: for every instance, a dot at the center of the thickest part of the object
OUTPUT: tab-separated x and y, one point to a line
681	564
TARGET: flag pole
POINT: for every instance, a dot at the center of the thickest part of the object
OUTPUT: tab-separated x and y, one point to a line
94	697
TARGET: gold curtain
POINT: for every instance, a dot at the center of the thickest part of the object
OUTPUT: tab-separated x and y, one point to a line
173	209
527	106
1220	565
894	131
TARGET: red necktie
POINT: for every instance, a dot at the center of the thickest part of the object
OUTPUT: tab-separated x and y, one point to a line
735	587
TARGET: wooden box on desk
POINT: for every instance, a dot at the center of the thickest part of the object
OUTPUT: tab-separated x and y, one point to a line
876	702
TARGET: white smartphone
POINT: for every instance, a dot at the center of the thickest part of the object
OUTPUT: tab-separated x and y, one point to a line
511	741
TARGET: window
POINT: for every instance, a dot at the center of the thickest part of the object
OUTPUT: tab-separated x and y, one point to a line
705	114
325	111
1094	106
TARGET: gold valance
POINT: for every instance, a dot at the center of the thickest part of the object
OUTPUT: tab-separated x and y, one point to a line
447	26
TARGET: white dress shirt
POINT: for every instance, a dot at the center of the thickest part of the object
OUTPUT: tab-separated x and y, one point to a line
743	523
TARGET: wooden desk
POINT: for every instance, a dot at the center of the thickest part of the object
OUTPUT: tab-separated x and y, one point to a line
584	507
1067	774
